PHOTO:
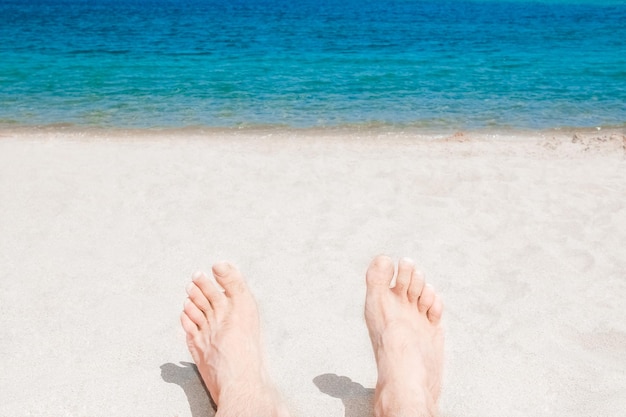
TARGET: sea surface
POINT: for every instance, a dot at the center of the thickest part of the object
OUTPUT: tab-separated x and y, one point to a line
313	63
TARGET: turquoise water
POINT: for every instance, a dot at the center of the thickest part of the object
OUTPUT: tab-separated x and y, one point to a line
313	63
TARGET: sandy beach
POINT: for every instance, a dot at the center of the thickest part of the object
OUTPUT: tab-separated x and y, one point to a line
523	234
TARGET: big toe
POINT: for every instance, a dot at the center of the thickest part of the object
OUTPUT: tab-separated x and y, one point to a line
229	277
379	273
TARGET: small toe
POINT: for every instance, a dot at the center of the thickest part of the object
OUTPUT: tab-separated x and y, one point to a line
405	271
188	325
426	298
380	273
435	311
416	286
229	278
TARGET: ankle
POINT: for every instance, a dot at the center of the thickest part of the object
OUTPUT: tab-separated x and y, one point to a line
397	399
249	395
251	401
251	388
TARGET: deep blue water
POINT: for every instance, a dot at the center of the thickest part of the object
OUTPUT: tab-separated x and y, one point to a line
309	63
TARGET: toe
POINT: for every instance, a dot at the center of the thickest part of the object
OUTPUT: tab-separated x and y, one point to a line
426	298
416	286
380	273
193	312
198	298
188	325
435	311
229	278
208	288
405	270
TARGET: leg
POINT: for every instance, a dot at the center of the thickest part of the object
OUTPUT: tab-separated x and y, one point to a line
223	336
403	324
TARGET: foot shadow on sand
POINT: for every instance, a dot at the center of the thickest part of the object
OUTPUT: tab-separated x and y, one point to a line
188	378
357	400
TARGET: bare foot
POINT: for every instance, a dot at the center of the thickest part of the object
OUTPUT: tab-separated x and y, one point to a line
223	336
403	324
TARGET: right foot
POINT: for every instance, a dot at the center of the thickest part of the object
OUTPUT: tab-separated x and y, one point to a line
223	337
403	324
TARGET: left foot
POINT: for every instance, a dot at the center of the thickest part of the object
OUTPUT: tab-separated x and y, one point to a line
223	337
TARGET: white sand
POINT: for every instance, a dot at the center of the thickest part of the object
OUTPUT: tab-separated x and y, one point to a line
524	236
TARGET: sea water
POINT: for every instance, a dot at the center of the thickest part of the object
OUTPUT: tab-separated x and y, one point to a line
313	63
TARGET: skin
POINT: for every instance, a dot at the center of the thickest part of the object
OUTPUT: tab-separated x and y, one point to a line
407	339
221	322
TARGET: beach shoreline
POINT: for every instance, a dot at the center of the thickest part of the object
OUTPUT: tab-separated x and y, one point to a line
558	142
143	141
580	135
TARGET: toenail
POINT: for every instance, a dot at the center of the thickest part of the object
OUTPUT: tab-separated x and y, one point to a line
196	275
189	287
221	268
382	261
